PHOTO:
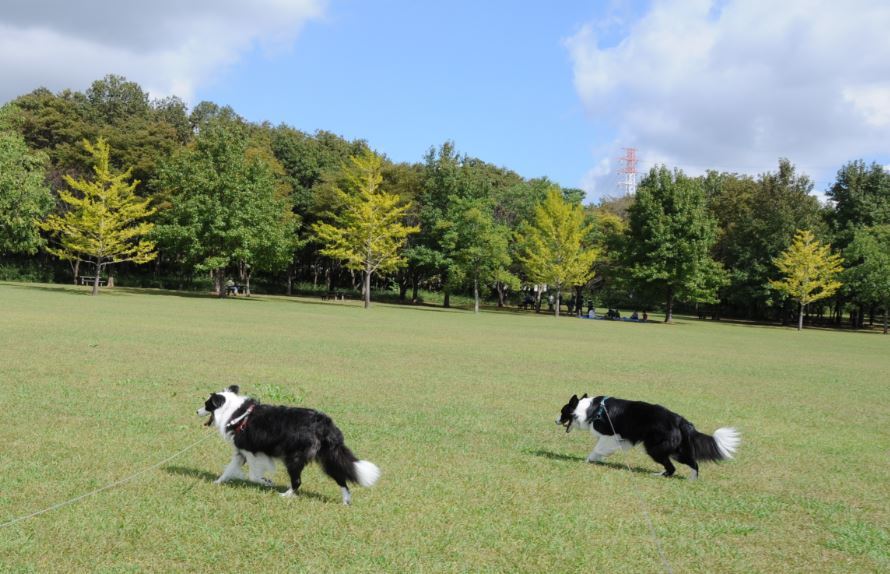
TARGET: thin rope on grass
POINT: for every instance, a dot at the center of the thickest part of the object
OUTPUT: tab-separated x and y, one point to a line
655	538
104	488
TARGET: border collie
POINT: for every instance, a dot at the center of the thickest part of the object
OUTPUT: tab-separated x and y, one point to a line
621	424
262	433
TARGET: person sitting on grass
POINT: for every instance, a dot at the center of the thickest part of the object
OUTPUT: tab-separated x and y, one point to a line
634	316
231	287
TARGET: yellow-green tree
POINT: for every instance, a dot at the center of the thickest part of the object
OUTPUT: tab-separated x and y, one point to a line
555	247
102	223
809	270
367	232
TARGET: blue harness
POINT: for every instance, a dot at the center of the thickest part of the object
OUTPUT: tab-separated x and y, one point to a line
600	413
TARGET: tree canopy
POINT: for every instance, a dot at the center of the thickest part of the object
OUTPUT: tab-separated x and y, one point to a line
808	268
104	221
367	231
669	240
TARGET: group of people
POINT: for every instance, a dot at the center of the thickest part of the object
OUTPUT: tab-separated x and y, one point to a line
576	307
615	315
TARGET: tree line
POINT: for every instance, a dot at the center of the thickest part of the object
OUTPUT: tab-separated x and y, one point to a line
175	198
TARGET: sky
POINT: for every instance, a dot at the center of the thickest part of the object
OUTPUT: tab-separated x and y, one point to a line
556	89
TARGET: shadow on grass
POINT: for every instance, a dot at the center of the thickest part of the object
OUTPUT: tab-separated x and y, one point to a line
210	477
66	289
573	458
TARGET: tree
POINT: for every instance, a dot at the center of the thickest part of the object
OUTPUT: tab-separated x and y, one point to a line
809	268
24	196
554	249
478	244
102	224
861	198
669	240
757	218
367	232
226	206
868	257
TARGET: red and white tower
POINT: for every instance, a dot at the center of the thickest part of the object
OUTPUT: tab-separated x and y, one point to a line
629	170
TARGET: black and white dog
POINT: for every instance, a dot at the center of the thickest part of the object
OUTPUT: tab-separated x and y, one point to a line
620	424
262	433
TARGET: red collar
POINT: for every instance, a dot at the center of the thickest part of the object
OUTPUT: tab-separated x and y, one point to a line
241	422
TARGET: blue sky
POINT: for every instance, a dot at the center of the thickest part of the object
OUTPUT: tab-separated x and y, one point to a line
552	89
495	77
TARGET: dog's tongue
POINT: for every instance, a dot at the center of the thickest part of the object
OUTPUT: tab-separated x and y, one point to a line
209	421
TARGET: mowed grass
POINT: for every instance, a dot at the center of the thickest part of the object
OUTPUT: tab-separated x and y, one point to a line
458	411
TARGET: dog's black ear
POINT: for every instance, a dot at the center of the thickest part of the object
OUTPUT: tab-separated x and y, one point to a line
585	396
217	400
234	389
573	400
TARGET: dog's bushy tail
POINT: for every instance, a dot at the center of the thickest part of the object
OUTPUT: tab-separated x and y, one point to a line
340	464
721	446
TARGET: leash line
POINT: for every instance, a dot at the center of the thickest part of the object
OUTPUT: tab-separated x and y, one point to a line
664	561
104	488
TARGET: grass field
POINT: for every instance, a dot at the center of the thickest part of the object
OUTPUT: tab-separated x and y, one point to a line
458	411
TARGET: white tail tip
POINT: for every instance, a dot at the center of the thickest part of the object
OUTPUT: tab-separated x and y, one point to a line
366	472
728	440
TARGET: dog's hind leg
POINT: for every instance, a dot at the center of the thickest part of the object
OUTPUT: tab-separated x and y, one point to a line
233	470
660	453
294	464
687	456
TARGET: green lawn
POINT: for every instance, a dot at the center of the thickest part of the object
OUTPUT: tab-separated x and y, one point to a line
458	411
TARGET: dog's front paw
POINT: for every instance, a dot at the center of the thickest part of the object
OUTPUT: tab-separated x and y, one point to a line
219	480
594	458
288	493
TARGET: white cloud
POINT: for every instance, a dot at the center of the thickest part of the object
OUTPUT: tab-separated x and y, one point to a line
168	46
734	85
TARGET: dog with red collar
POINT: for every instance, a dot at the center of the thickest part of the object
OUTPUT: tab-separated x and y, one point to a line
261	434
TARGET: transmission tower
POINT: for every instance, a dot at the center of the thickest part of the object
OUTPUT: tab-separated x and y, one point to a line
629	169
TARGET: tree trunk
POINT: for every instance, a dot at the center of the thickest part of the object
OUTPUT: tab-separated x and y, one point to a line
403	289
800	317
415	285
669	310
247	283
502	293
76	268
476	294
885	317
558	296
290	280
367	288
579	301
96	278
218	281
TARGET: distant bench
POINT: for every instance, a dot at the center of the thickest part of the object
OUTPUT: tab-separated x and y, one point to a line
90	280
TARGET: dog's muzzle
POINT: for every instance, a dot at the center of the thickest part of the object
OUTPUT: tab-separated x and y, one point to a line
204	412
568	424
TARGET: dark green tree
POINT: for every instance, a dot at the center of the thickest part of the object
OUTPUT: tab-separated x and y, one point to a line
669	240
24	195
868	271
226	210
